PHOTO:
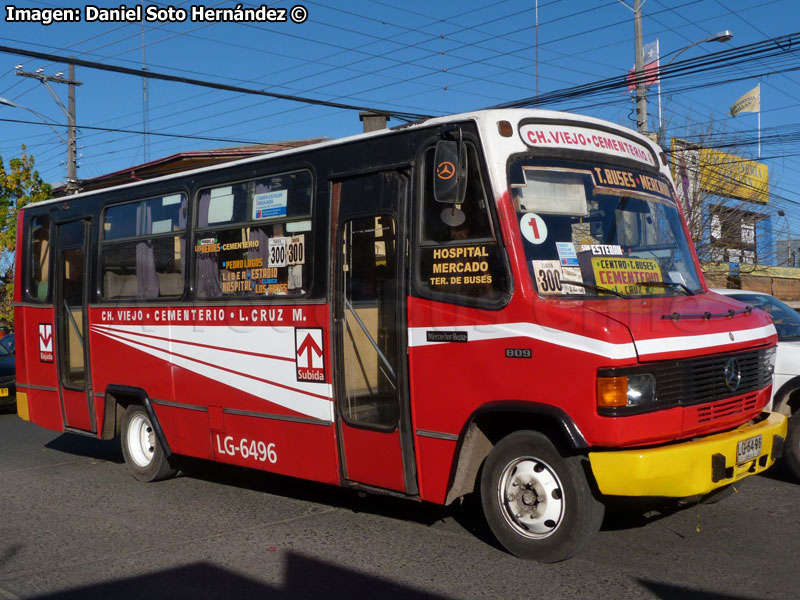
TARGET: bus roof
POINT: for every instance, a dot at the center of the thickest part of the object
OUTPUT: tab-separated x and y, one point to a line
481	117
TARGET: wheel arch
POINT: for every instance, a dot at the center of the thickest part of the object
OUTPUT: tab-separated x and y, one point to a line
787	399
117	399
494	421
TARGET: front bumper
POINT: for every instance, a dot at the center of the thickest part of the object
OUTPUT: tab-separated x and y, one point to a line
688	468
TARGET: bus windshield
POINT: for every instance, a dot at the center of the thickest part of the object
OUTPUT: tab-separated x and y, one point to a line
597	231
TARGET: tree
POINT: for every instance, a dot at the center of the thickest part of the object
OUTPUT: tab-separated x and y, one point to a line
725	198
20	184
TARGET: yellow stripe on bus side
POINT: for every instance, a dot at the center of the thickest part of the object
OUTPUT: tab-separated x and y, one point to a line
22	406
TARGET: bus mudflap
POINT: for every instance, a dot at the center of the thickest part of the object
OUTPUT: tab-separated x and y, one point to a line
694	467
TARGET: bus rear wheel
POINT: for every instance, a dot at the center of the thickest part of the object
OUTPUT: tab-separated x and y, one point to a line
537	502
143	453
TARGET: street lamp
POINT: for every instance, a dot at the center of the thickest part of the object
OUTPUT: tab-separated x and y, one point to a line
721	36
7	102
72	163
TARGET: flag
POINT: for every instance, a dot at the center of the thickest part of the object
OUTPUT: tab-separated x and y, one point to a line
651	67
750	102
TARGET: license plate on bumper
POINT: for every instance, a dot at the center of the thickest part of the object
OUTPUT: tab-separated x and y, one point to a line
748	449
3	392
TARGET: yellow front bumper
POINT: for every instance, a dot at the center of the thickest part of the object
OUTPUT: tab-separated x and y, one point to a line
687	468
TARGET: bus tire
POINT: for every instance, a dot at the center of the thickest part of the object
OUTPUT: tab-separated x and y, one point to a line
140	446
792	448
538	503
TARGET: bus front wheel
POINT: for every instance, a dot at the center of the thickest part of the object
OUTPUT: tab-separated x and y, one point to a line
140	446
538	503
792	448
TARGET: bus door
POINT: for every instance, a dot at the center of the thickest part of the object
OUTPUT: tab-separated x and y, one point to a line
71	300
369	333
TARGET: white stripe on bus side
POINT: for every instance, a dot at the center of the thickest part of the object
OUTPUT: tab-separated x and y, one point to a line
232	367
417	337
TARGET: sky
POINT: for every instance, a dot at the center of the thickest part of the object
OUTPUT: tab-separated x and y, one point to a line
423	57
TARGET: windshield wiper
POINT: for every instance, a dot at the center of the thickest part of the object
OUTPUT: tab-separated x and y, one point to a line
683	286
595	288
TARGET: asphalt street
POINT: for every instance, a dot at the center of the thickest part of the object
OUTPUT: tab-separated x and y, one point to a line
74	524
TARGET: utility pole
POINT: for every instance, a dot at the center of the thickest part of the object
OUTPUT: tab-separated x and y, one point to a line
72	142
641	86
72	162
145	102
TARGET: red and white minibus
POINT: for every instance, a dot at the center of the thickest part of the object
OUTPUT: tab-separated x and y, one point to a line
504	302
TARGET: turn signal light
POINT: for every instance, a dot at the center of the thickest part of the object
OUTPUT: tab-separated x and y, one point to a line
612	391
505	128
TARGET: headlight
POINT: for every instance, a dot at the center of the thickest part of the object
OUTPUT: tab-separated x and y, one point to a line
625	391
641	389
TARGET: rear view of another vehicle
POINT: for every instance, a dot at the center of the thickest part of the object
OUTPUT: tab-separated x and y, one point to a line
786	388
8	379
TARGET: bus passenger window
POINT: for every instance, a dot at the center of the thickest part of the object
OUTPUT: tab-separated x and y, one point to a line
458	254
253	238
143	248
39	259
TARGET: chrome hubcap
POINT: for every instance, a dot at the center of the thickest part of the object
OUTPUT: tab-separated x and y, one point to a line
531	496
141	441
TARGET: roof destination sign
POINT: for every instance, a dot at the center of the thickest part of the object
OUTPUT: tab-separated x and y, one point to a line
569	137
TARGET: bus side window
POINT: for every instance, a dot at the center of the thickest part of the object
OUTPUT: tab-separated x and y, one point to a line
39	259
143	248
458	253
253	237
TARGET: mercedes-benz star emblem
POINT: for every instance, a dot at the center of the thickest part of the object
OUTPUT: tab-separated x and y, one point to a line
733	374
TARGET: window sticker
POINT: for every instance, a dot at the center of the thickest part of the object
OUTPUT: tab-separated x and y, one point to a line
207	245
277	252
548	277
296	250
567	254
533	228
551	278
270	204
295	279
603	249
627	276
572	274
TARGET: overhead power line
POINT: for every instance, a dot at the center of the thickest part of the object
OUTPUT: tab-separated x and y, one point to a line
773	47
141	132
403	116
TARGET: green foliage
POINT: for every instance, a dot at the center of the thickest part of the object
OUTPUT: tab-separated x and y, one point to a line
20	184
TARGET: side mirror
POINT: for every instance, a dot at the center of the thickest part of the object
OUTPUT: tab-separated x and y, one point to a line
450	172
